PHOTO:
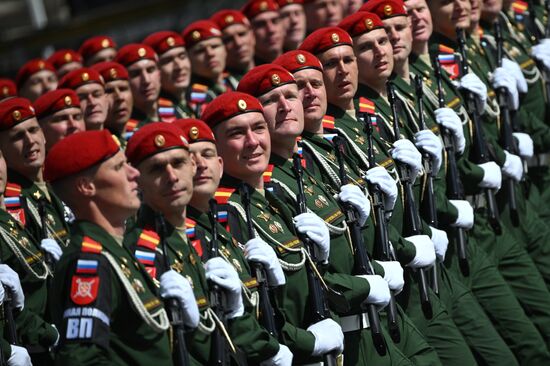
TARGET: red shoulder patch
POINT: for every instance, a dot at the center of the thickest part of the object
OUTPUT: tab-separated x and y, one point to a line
84	289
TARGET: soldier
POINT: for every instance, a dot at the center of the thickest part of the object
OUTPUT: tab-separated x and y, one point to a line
35	78
103	302
98	49
294	22
322	13
19	249
238	39
59	115
268	29
7	89
64	61
175	74
121	102
141	61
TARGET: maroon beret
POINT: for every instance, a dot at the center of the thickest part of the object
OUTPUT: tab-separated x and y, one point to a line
361	22
111	71
93	45
30	68
298	60
264	78
78	152
152	139
163	41
79	77
324	39
195	130
7	88
229	105
225	18
199	31
385	8
54	101
255	7
62	57
135	52
14	111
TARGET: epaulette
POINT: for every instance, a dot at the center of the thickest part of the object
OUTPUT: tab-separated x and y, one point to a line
12	190
14	202
222	195
145	252
366	106
268	173
131	125
328	122
447	59
89	245
191	234
520	7
198	93
167	110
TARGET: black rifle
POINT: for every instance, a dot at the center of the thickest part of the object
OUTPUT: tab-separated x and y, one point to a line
363	264
173	307
479	145
507	138
454	184
428	202
218	301
413	225
48	257
318	299
267	313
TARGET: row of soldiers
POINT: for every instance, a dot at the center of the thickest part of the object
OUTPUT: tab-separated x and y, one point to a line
371	193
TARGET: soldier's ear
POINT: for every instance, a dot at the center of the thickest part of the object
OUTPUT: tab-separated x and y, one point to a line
85	186
220	160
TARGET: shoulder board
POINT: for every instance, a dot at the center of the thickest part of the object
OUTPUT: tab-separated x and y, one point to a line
149	239
519	7
222	195
12	190
163	102
268	173
366	105
131	125
89	245
328	122
445	49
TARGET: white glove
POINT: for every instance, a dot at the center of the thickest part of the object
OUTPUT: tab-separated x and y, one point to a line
19	357
513	166
393	275
465	210
51	246
328	337
525	145
473	83
427	141
282	358
223	274
425	251
441	242
379	294
542	53
174	285
405	152
314	227
492	176
257	250
448	118
2	294
513	68
387	184
10	279
352	194
502	79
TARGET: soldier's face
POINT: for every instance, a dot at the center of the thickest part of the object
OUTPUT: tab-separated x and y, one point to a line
121	103
239	42
340	75
62	124
175	70
352	6
24	147
421	20
294	23
400	35
313	95
269	33
65	69
374	57
37	84
323	13
106	54
144	77
94	105
283	113
3	174
447	15
209	169
486	9
208	58
166	180
243	143
116	187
